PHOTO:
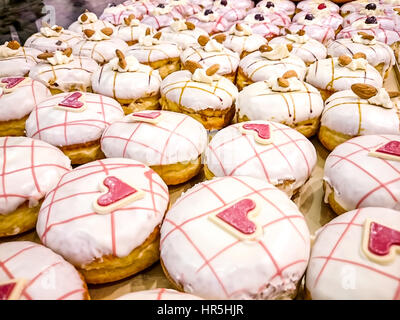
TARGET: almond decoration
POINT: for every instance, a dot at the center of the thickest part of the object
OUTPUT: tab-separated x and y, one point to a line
290	74
157	35
394	94
397	10
84	17
212	70
121	57
366	36
265	48
238	27
13	45
148	31
190	25
301	33
288	31
88	32
57	29
359	55
203	40
344	60
220	37
192	66
68	52
364	91
289	47
45	55
283	83
107	31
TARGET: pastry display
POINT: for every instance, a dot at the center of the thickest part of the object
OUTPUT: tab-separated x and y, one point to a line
74	122
262	149
354	257
269	62
214	105
53	38
16	60
307	48
124	199
161	16
320	33
47	277
61	71
262	25
134	85
176	153
221	232
340	73
18	97
30	169
378	54
241	39
285	6
89	20
209	52
99	45
363	172
131	30
210	21
287	100
161	55
158	294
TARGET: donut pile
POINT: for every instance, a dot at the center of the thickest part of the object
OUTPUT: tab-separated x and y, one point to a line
98	121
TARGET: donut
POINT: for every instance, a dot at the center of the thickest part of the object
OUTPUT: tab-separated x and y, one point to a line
18	97
125	201
241	39
159	54
320	17
208	52
275	16
131	30
357	176
291	102
305	47
53	38
210	21
269	62
350	113
311	5
262	149
116	14
30	271
320	33
337	74
385	21
89	20
16	61
378	54
134	85
158	294
176	153
74	122
99	45
220	241
30	168
207	98
286	6
183	33
61	71
262	25
162	16
346	258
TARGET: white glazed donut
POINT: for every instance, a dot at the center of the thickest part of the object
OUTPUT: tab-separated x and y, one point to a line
205	259
30	168
287	161
44	274
320	33
68	224
263	25
310	5
296	104
378	53
340	267
17	62
180	139
382	35
210	21
307	48
62	73
131	30
89	20
17	101
385	21
276	17
53	38
158	294
358	179
61	127
328	74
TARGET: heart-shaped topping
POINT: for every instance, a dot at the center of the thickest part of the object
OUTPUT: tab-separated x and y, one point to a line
261	131
10	83
236	219
152	117
11	290
116	194
380	242
72	103
388	151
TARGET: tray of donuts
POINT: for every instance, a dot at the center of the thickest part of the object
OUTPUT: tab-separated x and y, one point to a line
275	124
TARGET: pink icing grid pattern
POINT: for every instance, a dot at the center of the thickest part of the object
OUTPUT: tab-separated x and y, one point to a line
94	168
25	292
248	191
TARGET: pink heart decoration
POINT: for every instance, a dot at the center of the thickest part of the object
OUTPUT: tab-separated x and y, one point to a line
381	238
12	82
72	101
117	190
262	130
392	148
147	115
6	290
